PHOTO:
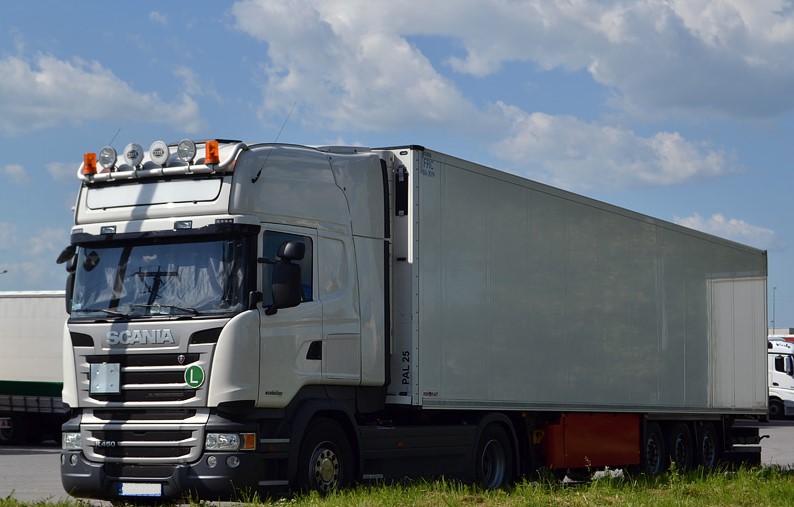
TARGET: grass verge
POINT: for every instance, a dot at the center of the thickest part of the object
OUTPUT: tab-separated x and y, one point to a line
763	486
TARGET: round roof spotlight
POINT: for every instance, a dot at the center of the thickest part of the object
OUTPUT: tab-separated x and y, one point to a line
158	151
133	154
107	158
186	150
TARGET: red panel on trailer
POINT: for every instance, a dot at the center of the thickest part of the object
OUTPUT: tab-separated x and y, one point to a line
596	440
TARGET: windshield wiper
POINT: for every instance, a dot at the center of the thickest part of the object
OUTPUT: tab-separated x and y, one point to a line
102	310
192	311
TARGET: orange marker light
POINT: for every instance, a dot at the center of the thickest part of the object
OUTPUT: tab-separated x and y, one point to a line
213	154
247	441
89	163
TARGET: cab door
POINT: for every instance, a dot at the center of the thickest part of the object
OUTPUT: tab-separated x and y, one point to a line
289	337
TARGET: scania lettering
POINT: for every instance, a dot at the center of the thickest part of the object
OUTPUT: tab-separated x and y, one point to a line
135	336
248	317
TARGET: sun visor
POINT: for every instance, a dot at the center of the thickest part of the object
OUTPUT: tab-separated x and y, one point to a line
156	192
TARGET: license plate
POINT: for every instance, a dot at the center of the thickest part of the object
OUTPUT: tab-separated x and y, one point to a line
105	378
140	489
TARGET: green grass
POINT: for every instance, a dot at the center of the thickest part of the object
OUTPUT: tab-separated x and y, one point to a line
746	487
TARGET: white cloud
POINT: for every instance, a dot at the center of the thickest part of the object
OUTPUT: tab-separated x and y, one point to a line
731	228
344	70
62	171
158	17
724	57
47	243
8	235
50	92
573	154
350	65
17	174
30	258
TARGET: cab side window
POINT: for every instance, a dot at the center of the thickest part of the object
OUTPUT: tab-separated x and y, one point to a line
272	241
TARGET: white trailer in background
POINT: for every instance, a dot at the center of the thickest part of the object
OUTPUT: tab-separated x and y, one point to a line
781	378
31	365
269	316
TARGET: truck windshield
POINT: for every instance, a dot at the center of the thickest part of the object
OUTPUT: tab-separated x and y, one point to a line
177	278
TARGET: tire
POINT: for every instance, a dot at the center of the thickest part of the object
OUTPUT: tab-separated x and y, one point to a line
16	433
776	409
708	447
653	453
494	465
325	460
680	448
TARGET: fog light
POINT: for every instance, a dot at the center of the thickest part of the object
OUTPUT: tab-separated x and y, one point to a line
233	462
212	462
73	459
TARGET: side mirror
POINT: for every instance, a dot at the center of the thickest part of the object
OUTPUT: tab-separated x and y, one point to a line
67	254
286	277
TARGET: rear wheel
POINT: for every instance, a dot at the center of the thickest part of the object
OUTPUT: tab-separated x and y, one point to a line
680	447
653	454
325	461
708	446
493	463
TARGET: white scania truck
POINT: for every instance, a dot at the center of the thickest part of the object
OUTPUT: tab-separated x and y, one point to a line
247	316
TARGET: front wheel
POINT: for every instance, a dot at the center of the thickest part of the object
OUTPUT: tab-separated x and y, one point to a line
493	462
776	410
325	461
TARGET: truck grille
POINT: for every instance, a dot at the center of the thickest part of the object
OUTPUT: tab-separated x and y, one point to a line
142	441
146	378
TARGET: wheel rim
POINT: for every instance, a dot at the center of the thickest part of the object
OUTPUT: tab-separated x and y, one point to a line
708	449
653	455
680	451
493	464
324	468
6	433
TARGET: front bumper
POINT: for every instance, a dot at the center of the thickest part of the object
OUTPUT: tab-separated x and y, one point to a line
82	478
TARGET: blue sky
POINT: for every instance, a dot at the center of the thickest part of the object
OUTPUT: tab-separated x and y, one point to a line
683	110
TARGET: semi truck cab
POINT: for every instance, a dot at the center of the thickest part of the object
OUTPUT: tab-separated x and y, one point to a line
781	378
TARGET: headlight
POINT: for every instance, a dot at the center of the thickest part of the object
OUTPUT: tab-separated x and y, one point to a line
222	442
71	441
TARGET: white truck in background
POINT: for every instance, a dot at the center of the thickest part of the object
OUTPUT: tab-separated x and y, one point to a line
260	316
781	377
31	365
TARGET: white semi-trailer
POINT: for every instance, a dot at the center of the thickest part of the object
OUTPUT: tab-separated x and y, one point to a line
31	379
781	378
269	315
